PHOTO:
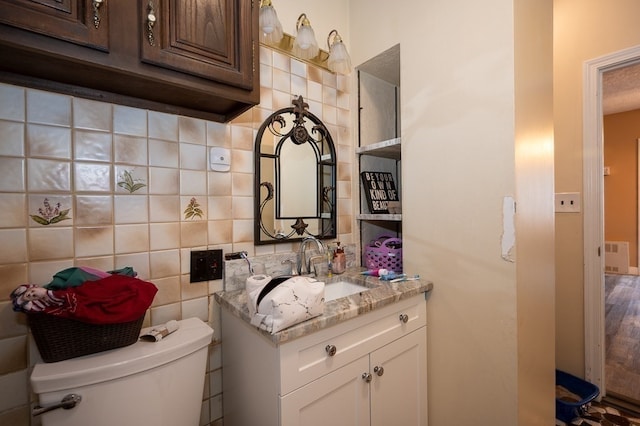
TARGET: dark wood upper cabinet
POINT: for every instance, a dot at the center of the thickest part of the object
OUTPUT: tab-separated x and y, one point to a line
189	57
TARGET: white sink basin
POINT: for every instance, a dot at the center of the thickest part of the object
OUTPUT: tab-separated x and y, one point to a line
336	290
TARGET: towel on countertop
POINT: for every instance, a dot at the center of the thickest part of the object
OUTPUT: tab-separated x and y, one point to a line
295	300
110	300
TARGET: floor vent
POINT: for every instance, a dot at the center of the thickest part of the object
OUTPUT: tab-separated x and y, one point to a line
616	257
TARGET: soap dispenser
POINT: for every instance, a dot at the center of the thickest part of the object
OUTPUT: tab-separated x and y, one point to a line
339	263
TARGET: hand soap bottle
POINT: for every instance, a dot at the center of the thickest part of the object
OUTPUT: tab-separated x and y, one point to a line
339	263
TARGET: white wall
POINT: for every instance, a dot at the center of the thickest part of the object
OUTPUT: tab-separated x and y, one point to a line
466	147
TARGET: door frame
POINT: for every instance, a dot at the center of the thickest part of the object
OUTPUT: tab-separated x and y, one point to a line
593	216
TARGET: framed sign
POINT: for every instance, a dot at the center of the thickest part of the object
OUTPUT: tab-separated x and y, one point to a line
379	189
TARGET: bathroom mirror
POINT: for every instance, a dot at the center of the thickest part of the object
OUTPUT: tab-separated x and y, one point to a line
295	177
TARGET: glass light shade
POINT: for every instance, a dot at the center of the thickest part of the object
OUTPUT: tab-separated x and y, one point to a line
270	26
305	45
339	60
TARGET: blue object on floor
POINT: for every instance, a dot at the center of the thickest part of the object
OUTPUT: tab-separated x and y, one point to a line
567	411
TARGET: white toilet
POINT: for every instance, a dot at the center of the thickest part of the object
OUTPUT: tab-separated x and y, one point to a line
147	383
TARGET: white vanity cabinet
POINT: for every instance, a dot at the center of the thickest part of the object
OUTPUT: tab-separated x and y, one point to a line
369	370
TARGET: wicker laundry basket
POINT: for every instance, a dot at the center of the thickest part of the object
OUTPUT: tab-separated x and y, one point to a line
62	338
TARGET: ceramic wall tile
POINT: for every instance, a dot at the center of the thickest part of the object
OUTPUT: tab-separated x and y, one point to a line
298	68
42	273
51	210
14	210
266	76
245	119
12	106
266	100
242	184
314	91
189	290
219	231
193	208
92	115
164	236
281	99
130	149
49	244
92	177
193	234
138	261
281	80
329	114
281	62
13	174
242	161
266	56
92	146
343	100
48	108
129	121
243	207
218	134
316	108
344	83
165	313
204	407
220	208
93	210
219	183
12	136
192	130
13	354
216	407
11	324
13	390
215	381
168	291
163	153
131	209
131	238
94	241
193	182
343	117
164	208
329	79
196	308
164	264
329	96
242	230
163	181
163	126
14	245
299	86
13	275
242	138
49	141
314	74
193	157
130	179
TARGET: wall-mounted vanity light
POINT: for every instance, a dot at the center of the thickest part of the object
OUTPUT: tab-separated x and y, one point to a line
270	26
304	46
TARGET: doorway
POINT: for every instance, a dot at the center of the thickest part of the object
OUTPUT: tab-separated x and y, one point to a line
593	201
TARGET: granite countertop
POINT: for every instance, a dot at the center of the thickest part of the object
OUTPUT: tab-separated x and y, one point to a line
382	293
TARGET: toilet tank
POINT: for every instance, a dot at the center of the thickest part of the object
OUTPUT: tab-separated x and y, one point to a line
147	383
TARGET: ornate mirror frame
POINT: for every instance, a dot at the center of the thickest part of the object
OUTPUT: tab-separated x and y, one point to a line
295	177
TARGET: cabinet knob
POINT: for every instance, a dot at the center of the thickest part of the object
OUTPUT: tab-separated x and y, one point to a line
378	370
404	318
366	377
331	350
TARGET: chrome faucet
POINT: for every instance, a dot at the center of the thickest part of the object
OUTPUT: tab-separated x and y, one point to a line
303	262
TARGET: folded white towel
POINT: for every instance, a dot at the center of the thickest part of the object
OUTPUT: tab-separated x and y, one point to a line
291	302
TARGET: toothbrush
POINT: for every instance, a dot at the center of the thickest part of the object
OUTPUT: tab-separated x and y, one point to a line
405	278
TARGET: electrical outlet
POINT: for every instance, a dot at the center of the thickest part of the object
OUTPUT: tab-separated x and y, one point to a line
206	265
567	202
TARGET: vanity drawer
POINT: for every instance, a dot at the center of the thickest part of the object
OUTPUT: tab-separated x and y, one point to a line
306	359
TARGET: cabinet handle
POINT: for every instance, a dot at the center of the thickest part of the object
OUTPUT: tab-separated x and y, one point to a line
331	350
151	21
378	370
404	318
96	12
366	377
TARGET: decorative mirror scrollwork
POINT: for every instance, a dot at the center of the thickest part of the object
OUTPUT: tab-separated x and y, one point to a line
295	177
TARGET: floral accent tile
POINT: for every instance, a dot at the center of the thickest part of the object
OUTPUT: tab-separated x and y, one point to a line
50	214
128	182
193	210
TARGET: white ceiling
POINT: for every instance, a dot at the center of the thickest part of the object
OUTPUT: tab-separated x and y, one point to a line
621	89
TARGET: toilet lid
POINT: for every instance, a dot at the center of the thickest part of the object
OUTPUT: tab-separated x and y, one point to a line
193	334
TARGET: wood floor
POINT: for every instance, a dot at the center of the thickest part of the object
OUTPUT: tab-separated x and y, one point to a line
622	336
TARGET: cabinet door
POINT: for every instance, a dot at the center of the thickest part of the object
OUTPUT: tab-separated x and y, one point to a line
212	39
84	22
399	391
340	398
